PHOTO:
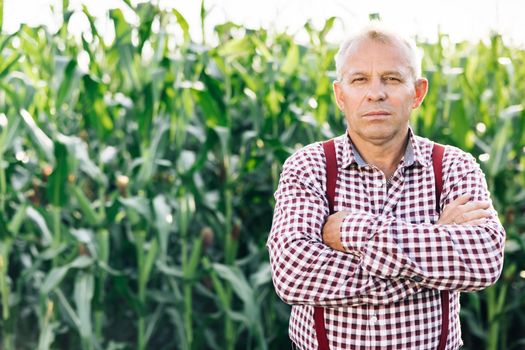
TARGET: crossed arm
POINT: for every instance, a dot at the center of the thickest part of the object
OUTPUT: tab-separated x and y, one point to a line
462	211
462	251
362	258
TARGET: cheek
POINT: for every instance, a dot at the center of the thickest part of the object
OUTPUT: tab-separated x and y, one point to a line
406	100
351	98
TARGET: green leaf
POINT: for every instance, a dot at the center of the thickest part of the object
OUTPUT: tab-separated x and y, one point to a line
53	279
67	307
40	140
163	221
191	268
459	123
78	154
10	132
213	115
17	220
183	25
7	64
95	111
138	204
153	154
81	262
121	26
145	271
224	136
83	294
66	85
184	212
145	116
262	276
328	24
103	245
52	252
41	223
85	206
57	181
236	47
237	280
292	60
5	234
175	315
500	148
245	292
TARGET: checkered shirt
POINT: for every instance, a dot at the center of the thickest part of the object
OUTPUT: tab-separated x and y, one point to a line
384	292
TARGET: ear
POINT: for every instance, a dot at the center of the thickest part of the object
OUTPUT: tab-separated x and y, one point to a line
421	87
339	96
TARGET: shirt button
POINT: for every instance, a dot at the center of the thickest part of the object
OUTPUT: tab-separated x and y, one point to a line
417	279
379	183
373	319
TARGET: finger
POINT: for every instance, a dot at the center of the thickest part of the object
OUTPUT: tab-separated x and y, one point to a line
461	200
475	215
474	205
474	222
464	198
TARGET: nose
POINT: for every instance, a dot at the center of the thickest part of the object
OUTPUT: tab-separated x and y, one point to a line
376	91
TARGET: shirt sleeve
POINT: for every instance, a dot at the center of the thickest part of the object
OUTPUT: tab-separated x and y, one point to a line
304	269
445	257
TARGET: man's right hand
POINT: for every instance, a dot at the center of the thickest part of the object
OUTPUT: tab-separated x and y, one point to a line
463	211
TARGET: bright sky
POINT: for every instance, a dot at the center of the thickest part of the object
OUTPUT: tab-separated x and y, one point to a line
461	19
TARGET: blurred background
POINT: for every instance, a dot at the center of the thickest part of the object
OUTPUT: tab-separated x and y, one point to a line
141	143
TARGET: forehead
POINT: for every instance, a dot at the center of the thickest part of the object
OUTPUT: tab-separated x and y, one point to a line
374	56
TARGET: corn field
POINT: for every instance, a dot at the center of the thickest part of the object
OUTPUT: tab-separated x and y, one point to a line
137	174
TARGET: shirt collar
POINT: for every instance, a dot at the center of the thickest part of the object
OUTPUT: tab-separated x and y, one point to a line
414	153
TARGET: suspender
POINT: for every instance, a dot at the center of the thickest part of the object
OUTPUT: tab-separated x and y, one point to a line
437	163
331	179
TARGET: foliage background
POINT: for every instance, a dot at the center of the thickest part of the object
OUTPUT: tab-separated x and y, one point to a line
136	177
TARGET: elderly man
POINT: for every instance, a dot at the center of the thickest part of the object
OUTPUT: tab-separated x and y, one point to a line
377	232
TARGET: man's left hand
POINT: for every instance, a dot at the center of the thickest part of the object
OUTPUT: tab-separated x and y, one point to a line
331	230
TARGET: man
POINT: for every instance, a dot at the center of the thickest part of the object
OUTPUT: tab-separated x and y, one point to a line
380	265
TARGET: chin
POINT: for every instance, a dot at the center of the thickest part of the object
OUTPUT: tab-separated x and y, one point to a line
378	132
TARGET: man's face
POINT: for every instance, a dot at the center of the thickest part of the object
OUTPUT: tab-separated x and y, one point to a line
378	91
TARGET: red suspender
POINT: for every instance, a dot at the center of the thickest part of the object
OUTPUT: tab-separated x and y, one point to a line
437	160
331	172
331	179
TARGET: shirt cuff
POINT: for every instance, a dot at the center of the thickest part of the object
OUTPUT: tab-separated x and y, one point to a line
356	230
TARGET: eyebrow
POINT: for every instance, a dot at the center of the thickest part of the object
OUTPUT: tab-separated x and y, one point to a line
389	72
385	73
393	72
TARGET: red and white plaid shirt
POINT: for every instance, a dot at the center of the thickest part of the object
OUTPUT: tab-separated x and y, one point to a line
385	292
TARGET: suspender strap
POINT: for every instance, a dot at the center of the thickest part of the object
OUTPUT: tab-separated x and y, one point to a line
331	172
437	162
331	179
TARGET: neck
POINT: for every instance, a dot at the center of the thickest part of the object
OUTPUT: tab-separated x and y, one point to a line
384	155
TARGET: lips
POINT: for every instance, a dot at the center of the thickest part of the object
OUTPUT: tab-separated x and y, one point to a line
377	113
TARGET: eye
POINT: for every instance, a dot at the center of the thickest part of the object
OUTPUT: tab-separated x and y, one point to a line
358	80
393	79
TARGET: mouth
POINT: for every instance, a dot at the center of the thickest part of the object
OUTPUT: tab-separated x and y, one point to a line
377	114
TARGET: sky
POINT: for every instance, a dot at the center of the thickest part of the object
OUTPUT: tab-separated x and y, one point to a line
460	19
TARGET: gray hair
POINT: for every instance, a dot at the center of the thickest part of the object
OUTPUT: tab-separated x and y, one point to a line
381	34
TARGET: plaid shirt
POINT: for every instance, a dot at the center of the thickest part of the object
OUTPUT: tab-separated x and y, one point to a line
384	292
